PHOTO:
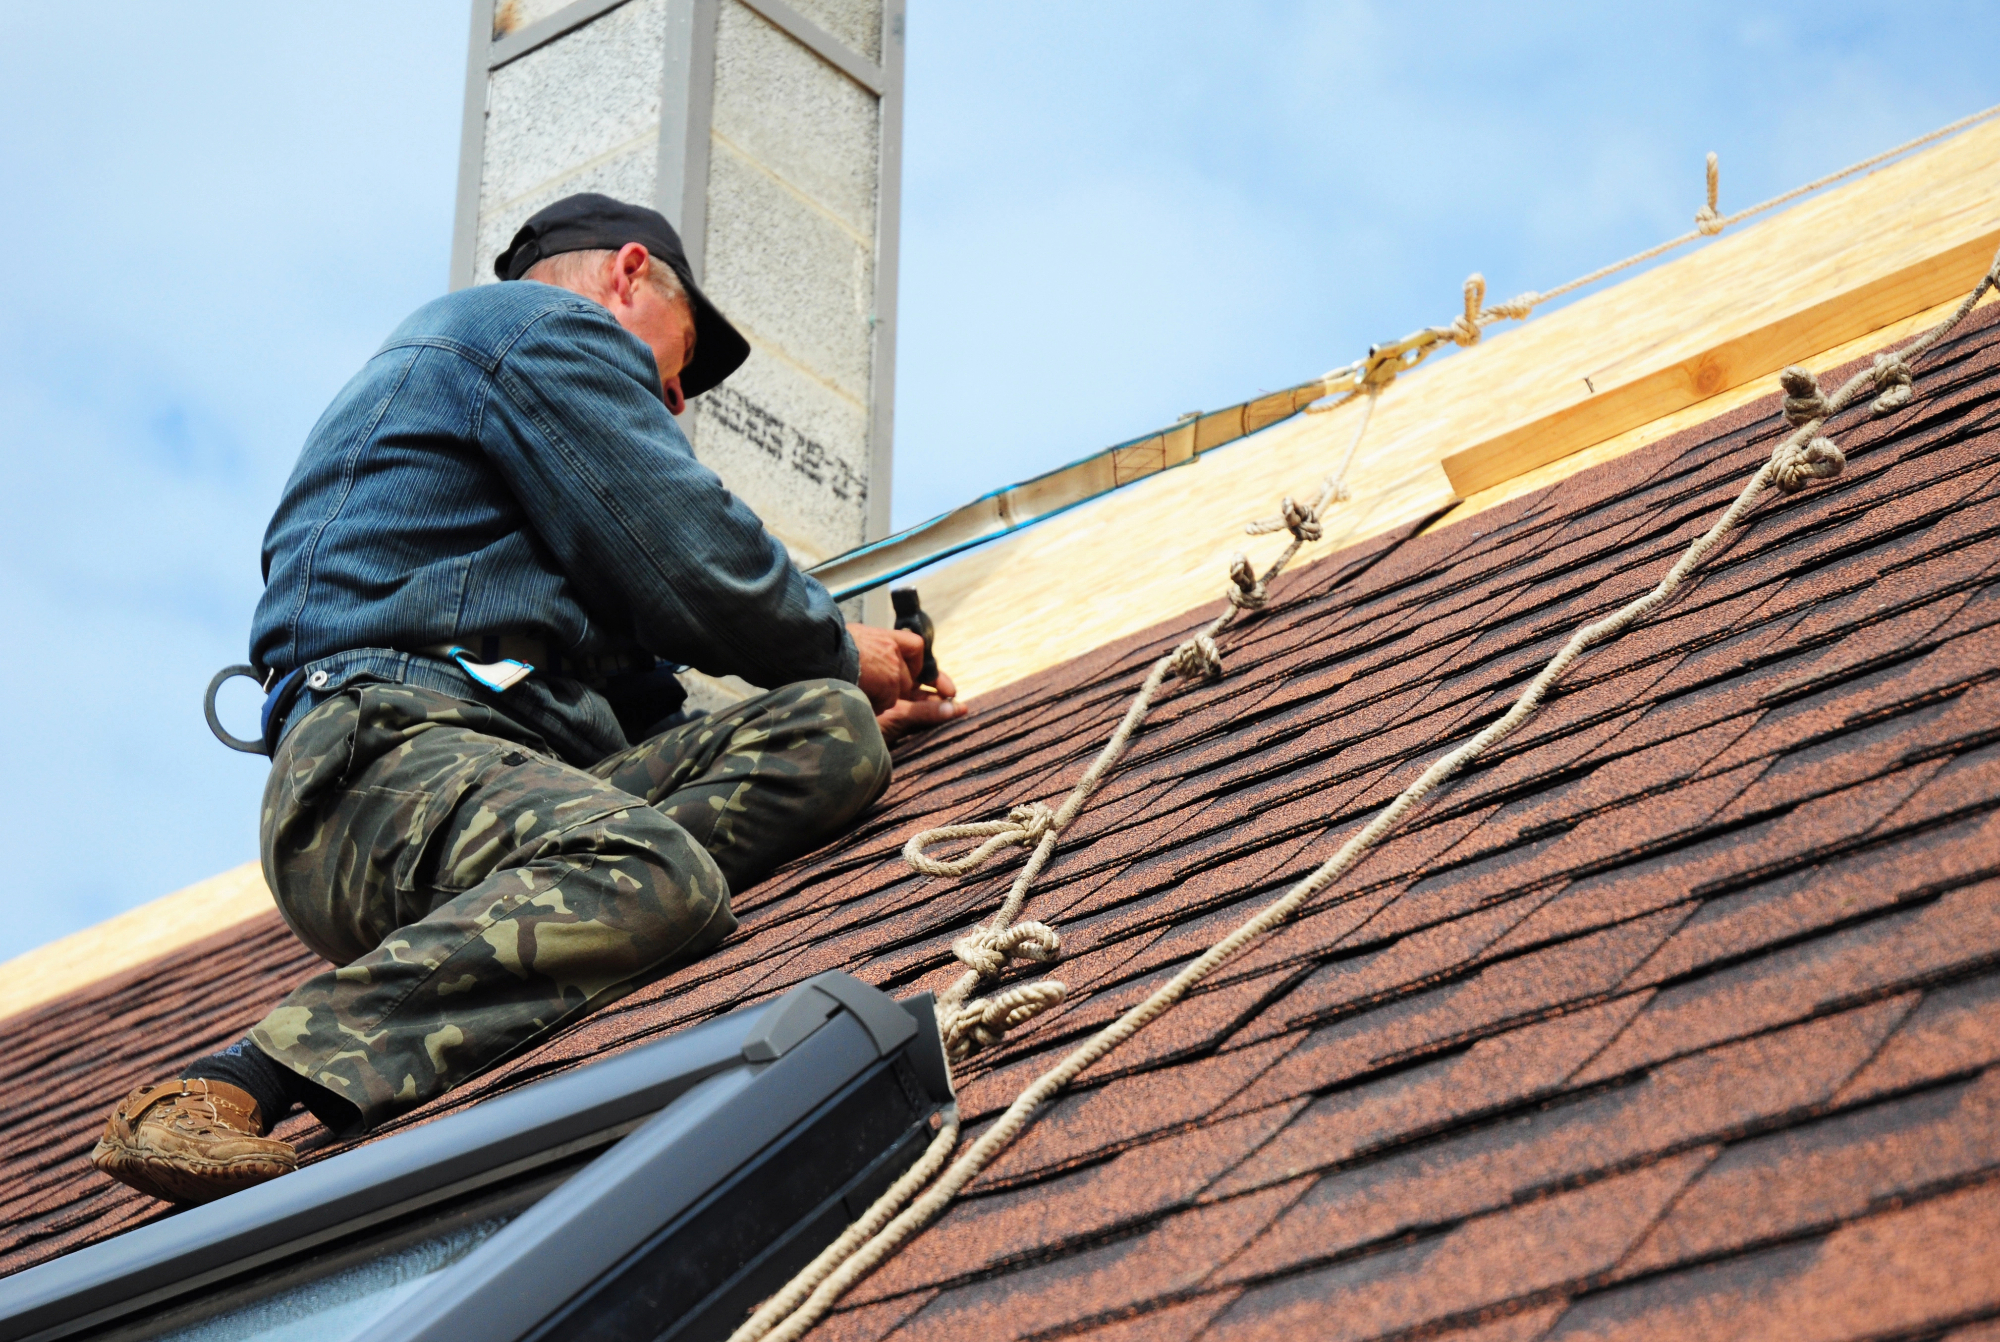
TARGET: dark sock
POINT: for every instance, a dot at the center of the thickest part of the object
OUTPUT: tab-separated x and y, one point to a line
248	1068
275	1088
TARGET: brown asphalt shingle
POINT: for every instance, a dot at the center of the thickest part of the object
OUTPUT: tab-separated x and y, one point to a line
1677	1016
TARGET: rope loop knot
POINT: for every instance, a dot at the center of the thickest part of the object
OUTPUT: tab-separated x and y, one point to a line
1465	329
1301	521
1023	827
1794	466
1895	382
1244	592
984	1021
1806	408
1804	402
1708	219
1197	659
986	953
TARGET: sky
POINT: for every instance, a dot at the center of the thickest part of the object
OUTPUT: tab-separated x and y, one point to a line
1113	213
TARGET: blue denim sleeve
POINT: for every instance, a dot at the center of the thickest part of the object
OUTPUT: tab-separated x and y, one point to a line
647	533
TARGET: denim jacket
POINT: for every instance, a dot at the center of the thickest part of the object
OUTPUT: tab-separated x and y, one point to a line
505	465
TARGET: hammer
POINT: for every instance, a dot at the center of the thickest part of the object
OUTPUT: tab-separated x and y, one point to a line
910	616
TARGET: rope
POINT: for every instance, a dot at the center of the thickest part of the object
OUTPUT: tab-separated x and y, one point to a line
827	1277
969	1024
1303	523
788	1315
1022	827
1708	222
1383	364
1893	379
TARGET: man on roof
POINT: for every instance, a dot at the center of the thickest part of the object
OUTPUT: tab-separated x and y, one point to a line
487	807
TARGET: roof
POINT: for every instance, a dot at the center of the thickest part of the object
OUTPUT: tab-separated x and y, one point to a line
1675	345
1675	1016
132	938
1854	269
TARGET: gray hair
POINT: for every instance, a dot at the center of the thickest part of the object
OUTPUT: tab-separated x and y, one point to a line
568	270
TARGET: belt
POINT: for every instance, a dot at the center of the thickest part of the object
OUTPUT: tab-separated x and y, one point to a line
497	661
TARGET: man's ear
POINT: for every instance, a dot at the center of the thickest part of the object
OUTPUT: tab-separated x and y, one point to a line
628	267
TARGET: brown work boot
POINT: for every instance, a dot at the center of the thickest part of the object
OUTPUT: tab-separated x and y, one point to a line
190	1141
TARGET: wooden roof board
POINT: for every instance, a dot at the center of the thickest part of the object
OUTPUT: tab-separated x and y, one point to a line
132	938
1678	1017
1813	278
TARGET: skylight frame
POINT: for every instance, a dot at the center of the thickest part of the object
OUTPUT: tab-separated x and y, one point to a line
786	1057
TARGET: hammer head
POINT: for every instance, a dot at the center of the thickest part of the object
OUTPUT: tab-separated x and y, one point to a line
910	615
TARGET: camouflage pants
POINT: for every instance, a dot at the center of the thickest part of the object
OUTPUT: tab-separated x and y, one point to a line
476	893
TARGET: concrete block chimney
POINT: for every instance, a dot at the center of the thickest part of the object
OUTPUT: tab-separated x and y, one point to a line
770	133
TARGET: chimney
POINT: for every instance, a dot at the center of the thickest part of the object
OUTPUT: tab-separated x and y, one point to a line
770	134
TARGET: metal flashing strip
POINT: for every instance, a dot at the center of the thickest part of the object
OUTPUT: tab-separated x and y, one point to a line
821	43
730	1087
1008	510
544	31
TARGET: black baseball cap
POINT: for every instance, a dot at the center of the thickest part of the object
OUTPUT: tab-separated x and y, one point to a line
590	222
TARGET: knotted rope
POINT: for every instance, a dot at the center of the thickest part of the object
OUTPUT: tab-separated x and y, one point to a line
1806	408
1384	363
1300	521
987	952
1466	328
1304	523
1023	826
1245	592
969	1024
1708	220
1893	379
984	1021
807	1298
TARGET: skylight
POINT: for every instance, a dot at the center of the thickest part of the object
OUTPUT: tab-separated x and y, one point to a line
657	1193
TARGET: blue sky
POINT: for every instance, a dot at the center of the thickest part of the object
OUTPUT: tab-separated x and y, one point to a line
1113	213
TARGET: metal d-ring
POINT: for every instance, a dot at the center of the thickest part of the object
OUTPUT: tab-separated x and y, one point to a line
215	723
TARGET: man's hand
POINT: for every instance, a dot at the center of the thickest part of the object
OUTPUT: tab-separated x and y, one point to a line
891	660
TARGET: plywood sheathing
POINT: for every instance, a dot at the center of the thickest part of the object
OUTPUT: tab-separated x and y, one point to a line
1813	278
133	938
1529	480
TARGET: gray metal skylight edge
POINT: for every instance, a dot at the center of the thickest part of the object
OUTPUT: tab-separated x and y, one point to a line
365	1186
615	1204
